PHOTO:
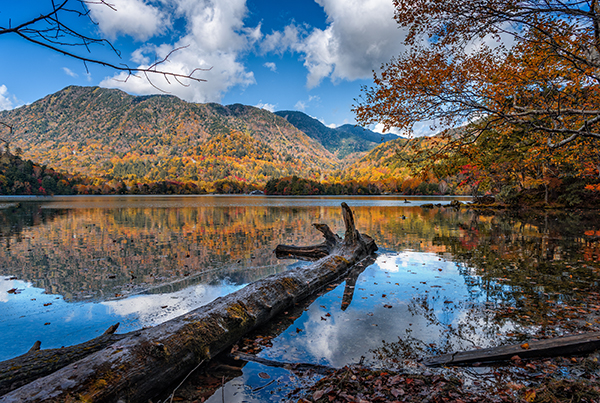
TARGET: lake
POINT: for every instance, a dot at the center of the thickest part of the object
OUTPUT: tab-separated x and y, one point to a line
443	279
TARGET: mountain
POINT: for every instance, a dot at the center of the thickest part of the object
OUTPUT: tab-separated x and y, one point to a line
367	134
106	132
344	141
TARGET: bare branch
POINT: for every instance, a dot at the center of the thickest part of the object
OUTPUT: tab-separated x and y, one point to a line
49	31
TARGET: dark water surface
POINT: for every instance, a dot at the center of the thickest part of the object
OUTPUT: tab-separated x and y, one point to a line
443	279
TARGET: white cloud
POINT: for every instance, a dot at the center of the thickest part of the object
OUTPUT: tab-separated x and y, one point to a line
271	66
268	107
215	38
300	105
360	36
136	18
279	42
419	130
6	100
70	72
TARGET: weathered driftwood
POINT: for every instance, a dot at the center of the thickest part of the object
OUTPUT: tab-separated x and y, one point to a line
37	363
146	362
559	346
310	253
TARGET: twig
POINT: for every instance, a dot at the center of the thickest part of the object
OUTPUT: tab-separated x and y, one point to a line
184	379
223	389
262	387
301	367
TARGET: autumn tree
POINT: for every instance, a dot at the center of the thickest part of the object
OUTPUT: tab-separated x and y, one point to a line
501	63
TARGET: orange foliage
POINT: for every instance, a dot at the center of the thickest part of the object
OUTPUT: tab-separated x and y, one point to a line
519	77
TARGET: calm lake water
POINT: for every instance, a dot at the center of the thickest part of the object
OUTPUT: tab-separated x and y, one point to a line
72	266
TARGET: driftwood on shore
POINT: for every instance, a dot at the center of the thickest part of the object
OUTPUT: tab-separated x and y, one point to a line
558	346
143	363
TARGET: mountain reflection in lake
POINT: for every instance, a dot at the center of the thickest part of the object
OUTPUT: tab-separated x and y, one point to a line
444	279
94	261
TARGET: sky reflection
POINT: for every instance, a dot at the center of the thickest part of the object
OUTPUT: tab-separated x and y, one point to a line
31	315
386	305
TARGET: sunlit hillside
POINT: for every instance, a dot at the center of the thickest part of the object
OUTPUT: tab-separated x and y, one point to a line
104	132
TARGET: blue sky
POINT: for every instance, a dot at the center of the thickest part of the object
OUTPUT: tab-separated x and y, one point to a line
307	55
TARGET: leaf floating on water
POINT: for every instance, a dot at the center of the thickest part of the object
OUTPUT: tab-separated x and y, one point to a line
263	375
530	395
387	306
46	324
14	291
328	314
48	304
298	330
397	392
322	318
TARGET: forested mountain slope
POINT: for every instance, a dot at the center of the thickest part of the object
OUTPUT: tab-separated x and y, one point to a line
106	132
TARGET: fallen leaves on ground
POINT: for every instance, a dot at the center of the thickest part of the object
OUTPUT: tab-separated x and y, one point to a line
356	384
364	385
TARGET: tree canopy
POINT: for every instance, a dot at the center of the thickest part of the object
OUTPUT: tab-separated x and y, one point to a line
501	63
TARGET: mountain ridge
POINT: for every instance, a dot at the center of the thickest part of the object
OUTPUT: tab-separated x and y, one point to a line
92	130
343	141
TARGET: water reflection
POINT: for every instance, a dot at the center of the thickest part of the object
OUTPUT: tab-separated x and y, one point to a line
447	279
29	314
452	281
113	252
101	248
383	308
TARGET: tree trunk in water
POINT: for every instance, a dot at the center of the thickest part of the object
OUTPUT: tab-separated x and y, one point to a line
145	362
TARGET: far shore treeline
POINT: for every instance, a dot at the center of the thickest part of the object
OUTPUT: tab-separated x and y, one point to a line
24	177
19	176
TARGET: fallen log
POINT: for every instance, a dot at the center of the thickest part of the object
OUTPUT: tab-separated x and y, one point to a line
37	363
558	346
146	362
